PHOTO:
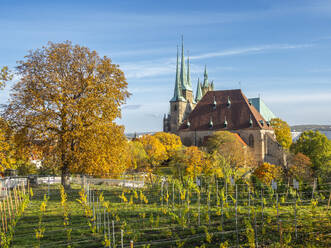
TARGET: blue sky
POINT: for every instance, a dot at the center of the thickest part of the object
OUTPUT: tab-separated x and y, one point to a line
280	50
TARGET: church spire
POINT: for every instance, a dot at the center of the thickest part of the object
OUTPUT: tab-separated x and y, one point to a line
189	84
198	95
205	79
183	76
178	89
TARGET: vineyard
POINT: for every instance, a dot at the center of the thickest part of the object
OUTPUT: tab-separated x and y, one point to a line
168	213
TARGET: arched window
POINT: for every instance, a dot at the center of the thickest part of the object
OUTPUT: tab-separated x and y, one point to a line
175	108
251	141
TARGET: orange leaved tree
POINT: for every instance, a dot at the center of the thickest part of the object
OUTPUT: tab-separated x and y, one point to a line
68	98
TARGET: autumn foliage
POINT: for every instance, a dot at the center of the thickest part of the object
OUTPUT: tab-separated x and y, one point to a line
68	98
267	172
155	150
282	132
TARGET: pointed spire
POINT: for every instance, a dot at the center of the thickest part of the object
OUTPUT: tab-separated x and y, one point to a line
205	79
189	84
198	94
183	76
212	85
177	91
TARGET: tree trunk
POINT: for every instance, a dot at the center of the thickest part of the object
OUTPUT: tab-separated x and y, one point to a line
65	177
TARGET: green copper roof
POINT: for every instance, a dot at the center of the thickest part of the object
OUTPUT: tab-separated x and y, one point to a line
212	85
178	89
262	108
189	84
198	94
205	79
183	76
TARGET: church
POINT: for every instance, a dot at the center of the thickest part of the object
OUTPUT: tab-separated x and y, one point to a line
195	119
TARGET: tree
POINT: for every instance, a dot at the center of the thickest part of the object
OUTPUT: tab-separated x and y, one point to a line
171	142
156	152
68	98
300	167
138	158
231	155
282	132
267	172
190	161
5	76
317	147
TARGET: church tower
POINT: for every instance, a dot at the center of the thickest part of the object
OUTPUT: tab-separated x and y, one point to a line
205	86
178	102
183	102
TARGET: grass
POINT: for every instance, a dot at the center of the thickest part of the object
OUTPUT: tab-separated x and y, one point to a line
175	225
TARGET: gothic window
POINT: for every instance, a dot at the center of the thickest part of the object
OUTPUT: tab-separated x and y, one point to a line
175	108
251	141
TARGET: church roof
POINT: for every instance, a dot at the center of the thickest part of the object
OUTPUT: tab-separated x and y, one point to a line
262	108
240	114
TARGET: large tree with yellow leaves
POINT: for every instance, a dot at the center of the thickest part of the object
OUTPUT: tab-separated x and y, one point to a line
282	132
68	98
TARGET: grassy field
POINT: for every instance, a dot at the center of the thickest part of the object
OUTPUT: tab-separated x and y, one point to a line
179	216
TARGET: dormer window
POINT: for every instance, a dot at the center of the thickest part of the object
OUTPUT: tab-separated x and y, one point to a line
211	124
228	104
262	122
214	103
250	121
225	124
268	123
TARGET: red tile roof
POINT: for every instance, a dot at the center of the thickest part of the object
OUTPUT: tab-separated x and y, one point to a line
237	115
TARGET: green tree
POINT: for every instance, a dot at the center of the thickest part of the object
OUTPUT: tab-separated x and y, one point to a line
317	147
282	132
68	98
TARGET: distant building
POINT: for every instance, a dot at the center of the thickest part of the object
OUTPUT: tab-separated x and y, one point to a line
195	119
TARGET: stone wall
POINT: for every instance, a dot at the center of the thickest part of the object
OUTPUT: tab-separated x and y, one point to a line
262	142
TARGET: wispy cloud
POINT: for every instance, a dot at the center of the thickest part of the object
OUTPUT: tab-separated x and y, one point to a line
132	107
298	97
166	66
246	50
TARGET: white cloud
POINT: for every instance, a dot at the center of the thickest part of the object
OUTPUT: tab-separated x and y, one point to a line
298	97
245	50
